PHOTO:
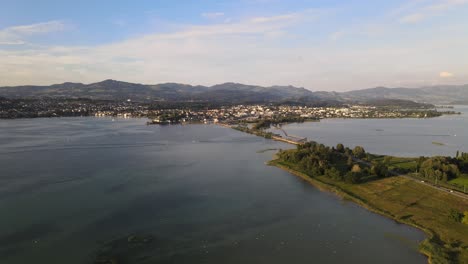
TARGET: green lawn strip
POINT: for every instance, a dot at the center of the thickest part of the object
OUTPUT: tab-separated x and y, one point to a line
461	181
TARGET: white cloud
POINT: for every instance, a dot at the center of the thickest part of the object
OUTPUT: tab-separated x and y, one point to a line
433	9
195	54
257	25
413	18
445	74
212	15
37	28
15	35
274	18
255	50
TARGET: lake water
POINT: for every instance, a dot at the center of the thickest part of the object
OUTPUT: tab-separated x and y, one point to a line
70	186
401	137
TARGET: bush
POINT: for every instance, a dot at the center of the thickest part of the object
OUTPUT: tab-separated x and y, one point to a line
465	218
456	216
334	174
380	170
351	177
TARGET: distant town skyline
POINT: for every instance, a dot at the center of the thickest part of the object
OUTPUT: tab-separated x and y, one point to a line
319	45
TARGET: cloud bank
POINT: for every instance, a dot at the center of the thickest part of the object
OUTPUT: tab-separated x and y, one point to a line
16	35
294	48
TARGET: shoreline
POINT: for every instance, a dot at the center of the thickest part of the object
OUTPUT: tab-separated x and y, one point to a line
431	236
442	114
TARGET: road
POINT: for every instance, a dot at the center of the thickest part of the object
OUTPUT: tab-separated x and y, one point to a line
440	188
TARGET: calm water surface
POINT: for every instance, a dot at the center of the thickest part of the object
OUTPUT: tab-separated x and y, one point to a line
400	137
70	186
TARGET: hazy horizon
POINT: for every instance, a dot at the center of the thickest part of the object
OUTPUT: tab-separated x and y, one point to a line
318	45
249	84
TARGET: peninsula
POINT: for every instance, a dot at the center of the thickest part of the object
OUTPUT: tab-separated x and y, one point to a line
425	192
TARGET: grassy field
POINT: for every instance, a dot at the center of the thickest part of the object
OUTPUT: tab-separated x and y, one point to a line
410	165
461	181
397	162
408	202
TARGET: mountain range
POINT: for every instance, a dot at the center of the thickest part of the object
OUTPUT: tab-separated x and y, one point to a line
440	94
234	93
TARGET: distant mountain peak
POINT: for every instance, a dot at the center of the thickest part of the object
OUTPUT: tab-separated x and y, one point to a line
439	94
110	81
231	92
110	89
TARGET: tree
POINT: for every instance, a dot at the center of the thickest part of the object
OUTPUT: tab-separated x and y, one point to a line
306	145
438	175
315	171
263	124
419	163
323	164
333	173
349	162
340	148
359	152
351	178
380	170
444	177
387	160
347	151
368	157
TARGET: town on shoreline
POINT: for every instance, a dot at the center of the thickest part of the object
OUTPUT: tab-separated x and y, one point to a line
197	112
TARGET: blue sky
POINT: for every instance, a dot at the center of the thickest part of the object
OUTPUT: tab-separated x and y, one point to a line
319	45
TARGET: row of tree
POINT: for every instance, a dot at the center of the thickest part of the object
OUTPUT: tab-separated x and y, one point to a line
440	168
277	120
443	168
340	163
257	132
